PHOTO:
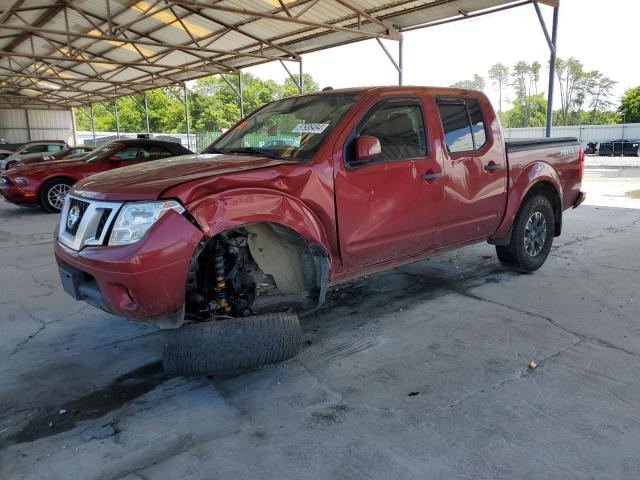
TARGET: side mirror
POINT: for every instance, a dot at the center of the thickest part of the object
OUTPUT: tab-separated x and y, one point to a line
367	148
115	158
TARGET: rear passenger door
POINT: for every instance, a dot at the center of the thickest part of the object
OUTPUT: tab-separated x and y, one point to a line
476	180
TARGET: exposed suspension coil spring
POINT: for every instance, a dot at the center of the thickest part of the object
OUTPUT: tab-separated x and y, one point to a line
219	270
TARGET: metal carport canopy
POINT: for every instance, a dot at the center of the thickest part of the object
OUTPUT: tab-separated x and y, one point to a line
68	53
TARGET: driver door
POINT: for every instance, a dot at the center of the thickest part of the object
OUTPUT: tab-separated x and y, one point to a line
386	209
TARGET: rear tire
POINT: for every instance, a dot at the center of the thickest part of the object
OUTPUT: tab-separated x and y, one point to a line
531	236
52	194
231	346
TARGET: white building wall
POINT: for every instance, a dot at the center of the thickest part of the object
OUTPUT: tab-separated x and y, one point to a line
584	133
86	137
19	125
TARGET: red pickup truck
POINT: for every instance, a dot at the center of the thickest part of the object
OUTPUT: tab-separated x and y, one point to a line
307	192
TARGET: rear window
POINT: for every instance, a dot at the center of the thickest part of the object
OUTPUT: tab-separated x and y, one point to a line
463	124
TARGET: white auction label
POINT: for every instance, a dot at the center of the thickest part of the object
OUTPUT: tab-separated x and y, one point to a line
310	128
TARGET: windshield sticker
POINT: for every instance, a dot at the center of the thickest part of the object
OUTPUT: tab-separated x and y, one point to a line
310	128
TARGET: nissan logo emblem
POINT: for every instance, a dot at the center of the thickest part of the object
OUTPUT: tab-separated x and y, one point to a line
74	216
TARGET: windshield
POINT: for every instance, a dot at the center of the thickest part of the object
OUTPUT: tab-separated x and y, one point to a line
291	129
98	153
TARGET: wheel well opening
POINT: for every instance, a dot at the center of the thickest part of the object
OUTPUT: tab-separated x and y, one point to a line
551	193
234	272
45	185
53	179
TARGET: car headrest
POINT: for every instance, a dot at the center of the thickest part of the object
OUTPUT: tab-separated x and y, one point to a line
399	123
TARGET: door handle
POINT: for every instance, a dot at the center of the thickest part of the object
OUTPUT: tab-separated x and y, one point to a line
492	167
432	176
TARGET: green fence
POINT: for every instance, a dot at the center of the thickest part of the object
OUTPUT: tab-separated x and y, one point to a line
205	138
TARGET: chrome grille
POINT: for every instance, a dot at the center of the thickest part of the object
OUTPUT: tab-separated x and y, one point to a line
106	213
82	208
92	225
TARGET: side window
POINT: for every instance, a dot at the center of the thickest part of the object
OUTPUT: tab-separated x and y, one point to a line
457	130
35	149
400	129
477	123
155	152
54	148
128	153
463	125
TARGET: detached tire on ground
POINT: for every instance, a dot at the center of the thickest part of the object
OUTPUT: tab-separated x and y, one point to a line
233	345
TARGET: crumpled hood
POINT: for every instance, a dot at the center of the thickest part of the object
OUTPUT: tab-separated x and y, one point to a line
148	180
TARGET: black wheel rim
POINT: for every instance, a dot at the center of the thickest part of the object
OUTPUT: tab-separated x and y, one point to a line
535	234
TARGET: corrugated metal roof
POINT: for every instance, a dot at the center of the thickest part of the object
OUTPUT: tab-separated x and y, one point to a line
64	54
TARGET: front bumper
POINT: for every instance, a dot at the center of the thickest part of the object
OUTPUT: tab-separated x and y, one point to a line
17	195
145	280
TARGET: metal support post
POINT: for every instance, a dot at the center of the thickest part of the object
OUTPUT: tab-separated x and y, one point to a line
300	79
73	126
146	113
552	41
396	65
240	95
297	83
186	114
400	65
93	124
28	123
115	105
238	91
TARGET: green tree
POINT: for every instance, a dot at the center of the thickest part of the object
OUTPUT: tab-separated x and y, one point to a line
580	88
630	106
476	83
530	111
291	85
213	105
534	77
521	84
601	93
499	73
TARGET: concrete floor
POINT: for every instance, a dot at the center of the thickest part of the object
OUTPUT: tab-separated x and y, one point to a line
420	372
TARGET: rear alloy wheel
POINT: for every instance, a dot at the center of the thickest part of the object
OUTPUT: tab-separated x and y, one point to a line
10	165
531	237
53	193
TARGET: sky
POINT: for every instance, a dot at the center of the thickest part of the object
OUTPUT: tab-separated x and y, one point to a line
602	34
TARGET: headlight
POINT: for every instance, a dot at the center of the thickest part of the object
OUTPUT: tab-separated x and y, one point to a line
136	218
21	181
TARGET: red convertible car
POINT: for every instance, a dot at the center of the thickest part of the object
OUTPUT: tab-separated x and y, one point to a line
47	183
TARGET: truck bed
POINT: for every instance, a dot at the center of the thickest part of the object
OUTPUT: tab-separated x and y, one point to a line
520	144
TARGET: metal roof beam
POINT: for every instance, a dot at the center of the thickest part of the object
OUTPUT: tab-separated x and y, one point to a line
107	38
389	35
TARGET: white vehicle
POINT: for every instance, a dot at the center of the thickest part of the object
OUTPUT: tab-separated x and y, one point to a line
32	149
